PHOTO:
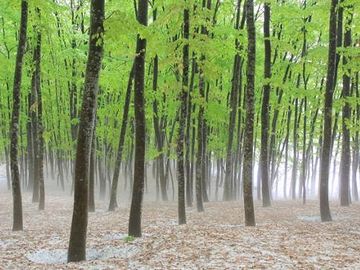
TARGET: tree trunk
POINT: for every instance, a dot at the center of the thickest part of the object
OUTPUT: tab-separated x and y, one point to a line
346	116
326	143
91	198
40	128
182	122
249	122
264	155
232	116
355	161
15	121
113	195
77	243
139	170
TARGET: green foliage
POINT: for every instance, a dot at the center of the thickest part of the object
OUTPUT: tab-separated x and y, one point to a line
64	54
129	239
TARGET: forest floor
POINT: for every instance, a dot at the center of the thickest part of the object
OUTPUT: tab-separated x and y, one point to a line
288	235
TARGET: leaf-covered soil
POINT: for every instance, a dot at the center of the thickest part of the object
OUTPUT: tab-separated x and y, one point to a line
288	235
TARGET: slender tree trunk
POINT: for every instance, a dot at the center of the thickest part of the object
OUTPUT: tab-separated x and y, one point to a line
34	127
346	116
295	160
113	195
40	128
189	153
232	116
264	155
355	161
77	243
139	170
182	121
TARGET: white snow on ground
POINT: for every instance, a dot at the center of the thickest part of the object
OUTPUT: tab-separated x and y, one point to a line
59	256
5	243
310	218
44	256
115	236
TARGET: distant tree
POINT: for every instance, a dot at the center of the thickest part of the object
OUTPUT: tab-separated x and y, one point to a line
77	243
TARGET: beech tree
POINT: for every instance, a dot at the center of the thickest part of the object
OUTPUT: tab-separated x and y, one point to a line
264	155
182	120
249	121
345	161
326	145
139	104
77	243
14	130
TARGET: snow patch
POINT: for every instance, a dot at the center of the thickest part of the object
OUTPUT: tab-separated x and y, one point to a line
6	243
310	218
115	236
59	256
44	256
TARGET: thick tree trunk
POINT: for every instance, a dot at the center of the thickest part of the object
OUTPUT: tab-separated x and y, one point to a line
77	243
249	122
91	199
15	121
326	143
139	170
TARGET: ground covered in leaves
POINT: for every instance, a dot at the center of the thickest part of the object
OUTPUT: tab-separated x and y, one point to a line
288	235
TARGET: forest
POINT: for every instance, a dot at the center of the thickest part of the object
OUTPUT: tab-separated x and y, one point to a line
179	134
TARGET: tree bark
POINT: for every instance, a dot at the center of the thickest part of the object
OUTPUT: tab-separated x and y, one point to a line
326	143
182	121
229	177
139	170
113	200
265	118
346	116
15	121
249	122
77	243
